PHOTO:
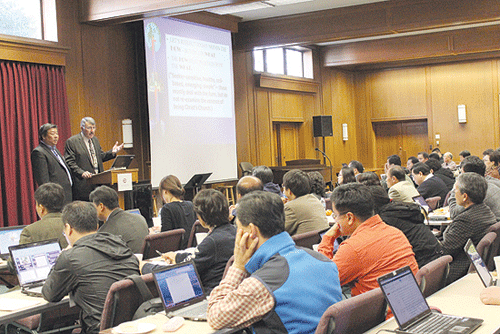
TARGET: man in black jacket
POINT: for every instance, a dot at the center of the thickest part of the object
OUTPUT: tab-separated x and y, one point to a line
428	184
444	174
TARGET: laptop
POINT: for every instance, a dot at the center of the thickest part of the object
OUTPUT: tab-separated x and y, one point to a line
33	262
479	265
134	211
421	201
122	161
181	292
411	311
9	236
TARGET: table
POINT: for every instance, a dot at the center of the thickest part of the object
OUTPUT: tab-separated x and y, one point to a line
460	298
7	316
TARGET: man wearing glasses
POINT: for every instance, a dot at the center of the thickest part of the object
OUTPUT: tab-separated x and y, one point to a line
84	156
373	249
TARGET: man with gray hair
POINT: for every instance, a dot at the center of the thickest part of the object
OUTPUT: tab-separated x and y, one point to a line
84	157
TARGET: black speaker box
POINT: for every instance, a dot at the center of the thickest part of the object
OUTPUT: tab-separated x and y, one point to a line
322	126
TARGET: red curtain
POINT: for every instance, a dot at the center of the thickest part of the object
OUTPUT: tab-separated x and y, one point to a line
30	95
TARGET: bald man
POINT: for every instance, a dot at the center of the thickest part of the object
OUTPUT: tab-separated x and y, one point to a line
245	185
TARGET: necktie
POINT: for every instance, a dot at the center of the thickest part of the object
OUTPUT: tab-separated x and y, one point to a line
59	158
93	156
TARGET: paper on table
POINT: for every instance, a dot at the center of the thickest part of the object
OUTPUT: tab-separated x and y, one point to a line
11	304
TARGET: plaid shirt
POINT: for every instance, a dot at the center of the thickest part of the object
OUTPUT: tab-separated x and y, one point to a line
238	301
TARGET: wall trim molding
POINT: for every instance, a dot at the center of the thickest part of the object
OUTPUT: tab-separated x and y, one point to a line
29	50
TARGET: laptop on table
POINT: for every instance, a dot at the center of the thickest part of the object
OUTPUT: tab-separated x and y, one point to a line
411	311
181	292
479	265
33	262
420	200
9	236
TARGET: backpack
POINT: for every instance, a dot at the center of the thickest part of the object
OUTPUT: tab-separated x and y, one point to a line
151	305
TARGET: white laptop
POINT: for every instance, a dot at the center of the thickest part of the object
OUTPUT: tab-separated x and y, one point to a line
9	236
33	262
411	311
479	265
181	292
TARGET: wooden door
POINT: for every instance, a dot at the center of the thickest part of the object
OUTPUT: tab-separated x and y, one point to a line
286	142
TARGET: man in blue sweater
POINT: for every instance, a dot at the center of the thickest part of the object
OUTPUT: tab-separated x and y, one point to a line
273	285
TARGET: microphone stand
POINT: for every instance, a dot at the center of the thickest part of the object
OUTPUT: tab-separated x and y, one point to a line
331	167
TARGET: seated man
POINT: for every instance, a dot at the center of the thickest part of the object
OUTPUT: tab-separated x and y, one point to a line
473	222
266	176
303	212
357	166
373	249
289	288
130	226
400	189
428	185
448	162
422	156
90	266
245	185
444	174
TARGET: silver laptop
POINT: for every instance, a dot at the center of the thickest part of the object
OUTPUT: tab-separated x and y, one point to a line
420	200
181	292
33	262
411	311
479	265
9	236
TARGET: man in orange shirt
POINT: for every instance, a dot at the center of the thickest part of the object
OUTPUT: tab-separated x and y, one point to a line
373	249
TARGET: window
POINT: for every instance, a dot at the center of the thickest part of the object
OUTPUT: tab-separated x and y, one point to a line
293	61
29	18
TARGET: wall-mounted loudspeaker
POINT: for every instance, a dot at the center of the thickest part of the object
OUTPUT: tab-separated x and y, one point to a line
322	126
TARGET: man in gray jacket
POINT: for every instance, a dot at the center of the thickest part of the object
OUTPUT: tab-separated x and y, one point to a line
87	269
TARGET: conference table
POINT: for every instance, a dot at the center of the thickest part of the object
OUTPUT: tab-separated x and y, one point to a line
459	298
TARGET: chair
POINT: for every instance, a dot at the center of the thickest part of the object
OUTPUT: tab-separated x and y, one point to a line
228	264
123	300
433	202
307	239
486	248
354	315
495	228
246	168
197	228
432	277
168	241
53	321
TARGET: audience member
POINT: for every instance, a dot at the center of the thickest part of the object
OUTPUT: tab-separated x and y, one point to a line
272	285
318	185
437	151
422	156
395	160
428	185
357	167
492	200
176	213
90	266
491	160
266	176
448	162
434	156
132	228
48	164
473	222
245	185
212	254
346	175
373	249
411	161
444	174
400	189
462	155
368	179
303	212
84	156
491	295
408	218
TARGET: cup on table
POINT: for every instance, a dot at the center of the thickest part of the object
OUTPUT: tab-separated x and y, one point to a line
139	256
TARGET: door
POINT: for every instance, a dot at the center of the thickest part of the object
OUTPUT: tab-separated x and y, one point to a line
286	143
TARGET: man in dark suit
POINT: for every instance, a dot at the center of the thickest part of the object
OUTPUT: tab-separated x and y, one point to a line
84	157
130	226
428	184
47	162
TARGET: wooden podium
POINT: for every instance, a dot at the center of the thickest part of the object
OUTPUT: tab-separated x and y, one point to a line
110	178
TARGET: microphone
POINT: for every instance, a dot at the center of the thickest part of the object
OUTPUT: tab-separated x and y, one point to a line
331	166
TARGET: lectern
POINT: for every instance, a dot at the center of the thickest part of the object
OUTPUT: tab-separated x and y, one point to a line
110	178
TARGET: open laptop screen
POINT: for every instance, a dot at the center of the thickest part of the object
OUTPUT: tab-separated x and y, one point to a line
178	285
33	261
9	236
478	263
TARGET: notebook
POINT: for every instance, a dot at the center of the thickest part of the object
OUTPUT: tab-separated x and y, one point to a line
9	236
411	311
33	262
479	265
181	292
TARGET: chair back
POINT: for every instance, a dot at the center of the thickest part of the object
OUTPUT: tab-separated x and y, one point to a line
246	168
123	300
307	239
354	315
432	277
487	248
433	202
495	228
228	264
197	228
169	241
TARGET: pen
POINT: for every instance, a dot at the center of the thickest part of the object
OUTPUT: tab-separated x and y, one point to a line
158	252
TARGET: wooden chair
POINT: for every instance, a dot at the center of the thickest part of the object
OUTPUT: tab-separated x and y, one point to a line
307	239
432	277
168	241
122	300
354	315
197	228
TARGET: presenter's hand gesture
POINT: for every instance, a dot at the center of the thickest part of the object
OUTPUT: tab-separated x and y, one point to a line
244	247
117	148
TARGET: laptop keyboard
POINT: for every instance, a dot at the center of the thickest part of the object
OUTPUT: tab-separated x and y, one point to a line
198	310
434	324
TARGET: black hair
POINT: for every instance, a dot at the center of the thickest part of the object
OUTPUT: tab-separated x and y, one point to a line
81	216
464	153
413	159
424	154
297	182
398	172
51	196
434	156
474	164
433	164
212	207
106	196
368	178
348	175
317	183
421	167
354	198
42	132
394	160
358	165
264	173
